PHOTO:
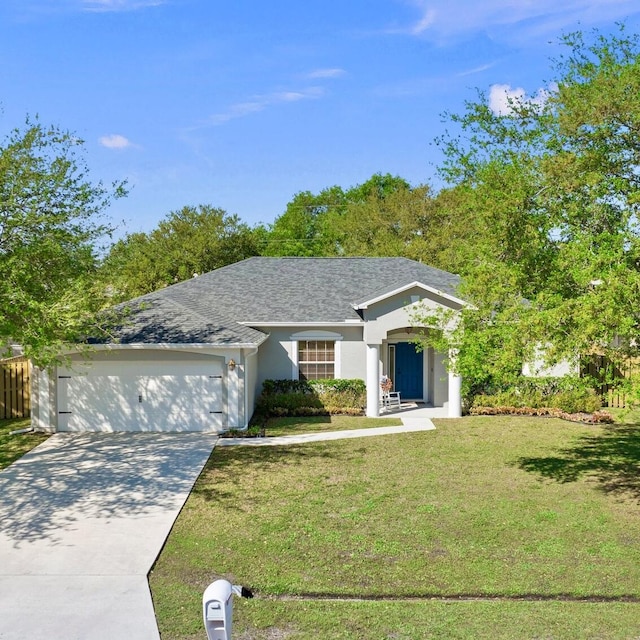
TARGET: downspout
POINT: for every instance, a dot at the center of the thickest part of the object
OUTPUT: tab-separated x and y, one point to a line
25	430
247	417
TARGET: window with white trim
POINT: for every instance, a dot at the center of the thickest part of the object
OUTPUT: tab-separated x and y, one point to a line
316	359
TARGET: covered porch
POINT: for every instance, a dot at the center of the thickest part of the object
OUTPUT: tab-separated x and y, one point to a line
418	375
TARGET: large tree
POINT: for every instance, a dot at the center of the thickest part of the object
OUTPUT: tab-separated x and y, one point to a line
384	216
552	188
307	227
191	240
49	225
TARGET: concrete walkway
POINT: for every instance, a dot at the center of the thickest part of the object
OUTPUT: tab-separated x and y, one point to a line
414	418
82	520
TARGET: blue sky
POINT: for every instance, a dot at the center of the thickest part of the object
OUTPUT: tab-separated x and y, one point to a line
242	104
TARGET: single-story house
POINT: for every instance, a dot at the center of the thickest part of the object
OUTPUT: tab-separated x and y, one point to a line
193	356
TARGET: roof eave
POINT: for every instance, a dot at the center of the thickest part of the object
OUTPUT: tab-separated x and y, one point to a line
296	323
112	346
393	292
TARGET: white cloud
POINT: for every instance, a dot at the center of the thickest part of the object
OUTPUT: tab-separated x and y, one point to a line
445	20
503	98
260	103
480	69
119	5
326	73
115	141
427	19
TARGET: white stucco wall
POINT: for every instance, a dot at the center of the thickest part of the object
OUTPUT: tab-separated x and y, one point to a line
43	401
538	369
353	354
278	354
395	312
251	377
440	381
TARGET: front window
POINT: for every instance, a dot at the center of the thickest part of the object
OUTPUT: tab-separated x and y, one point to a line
316	359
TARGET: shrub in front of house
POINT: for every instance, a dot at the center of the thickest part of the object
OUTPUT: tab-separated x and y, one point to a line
310	397
537	395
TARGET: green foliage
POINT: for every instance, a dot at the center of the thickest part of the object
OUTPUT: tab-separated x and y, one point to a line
570	395
193	240
576	402
310	397
15	446
284	404
384	216
49	224
273	387
305	228
551	192
355	386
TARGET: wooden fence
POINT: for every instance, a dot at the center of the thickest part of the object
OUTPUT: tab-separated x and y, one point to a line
15	400
610	378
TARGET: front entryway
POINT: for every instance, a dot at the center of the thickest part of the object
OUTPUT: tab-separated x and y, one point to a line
408	376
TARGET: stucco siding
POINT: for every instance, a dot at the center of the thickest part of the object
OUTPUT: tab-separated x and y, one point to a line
251	381
395	312
278	354
353	358
136	354
274	357
440	381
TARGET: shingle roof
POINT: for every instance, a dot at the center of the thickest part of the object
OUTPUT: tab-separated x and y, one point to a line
210	307
160	319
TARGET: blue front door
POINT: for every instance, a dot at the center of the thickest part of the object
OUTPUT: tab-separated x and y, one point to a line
409	371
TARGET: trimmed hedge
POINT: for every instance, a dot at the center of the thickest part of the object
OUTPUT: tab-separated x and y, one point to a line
309	398
561	397
576	401
270	387
596	417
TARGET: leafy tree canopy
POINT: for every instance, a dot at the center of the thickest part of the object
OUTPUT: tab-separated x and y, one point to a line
384	216
192	240
49	224
551	189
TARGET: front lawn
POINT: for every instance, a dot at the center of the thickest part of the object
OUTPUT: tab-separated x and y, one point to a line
316	424
15	446
487	527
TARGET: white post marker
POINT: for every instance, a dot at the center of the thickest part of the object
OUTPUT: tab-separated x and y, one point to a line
217	608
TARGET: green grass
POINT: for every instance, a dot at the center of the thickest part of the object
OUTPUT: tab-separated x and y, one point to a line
627	415
15	446
488	526
316	424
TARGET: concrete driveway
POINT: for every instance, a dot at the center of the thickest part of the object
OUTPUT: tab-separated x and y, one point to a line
82	519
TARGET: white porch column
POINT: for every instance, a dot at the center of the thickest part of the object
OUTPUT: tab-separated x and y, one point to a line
373	380
455	390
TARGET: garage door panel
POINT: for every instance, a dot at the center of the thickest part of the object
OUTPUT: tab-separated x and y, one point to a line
97	403
190	402
171	397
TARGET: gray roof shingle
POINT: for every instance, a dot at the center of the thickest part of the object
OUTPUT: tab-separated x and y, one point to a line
209	308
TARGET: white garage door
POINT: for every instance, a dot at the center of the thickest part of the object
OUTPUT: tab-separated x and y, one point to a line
141	396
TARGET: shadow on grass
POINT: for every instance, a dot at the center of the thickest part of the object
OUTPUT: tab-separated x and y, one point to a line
612	457
235	461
